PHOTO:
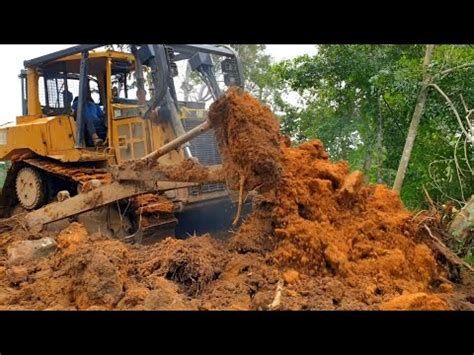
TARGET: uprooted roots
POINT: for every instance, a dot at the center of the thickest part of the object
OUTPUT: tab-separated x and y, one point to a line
193	263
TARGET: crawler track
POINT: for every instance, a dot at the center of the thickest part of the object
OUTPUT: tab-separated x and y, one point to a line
156	211
79	174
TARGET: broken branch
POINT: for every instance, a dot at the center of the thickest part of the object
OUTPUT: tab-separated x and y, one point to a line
447	253
241	193
451	105
277	299
446	72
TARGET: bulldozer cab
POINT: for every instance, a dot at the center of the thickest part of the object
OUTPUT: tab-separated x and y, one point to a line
135	123
56	89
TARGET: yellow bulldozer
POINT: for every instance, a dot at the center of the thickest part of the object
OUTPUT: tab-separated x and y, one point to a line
57	169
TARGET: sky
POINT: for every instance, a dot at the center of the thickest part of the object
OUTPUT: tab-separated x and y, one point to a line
12	57
289	51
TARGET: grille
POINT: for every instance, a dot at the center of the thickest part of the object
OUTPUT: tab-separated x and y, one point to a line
205	148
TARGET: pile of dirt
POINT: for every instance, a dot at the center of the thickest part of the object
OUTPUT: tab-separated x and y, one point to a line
318	238
316	216
328	223
249	140
90	272
247	282
82	273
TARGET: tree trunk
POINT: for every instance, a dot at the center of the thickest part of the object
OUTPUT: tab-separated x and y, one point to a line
415	121
379	143
367	161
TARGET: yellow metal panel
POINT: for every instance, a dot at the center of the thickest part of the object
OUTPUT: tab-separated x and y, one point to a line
162	133
102	54
34	107
129	138
31	136
61	134
125	106
186	112
47	136
26	119
108	95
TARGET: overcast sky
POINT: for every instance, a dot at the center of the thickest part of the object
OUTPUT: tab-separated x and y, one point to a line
12	57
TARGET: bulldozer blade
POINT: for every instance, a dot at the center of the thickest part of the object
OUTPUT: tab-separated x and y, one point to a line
212	216
136	237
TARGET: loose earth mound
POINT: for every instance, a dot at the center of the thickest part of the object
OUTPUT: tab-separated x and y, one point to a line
318	238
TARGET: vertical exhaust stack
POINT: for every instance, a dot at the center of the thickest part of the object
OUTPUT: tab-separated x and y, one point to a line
82	99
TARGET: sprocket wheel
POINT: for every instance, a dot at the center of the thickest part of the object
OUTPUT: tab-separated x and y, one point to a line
30	188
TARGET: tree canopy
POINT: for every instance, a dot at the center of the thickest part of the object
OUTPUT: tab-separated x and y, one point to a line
359	100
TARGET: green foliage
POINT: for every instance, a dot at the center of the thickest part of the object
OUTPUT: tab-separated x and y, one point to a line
256	65
469	258
347	87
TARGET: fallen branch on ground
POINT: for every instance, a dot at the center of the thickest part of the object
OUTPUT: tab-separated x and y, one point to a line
446	252
277	300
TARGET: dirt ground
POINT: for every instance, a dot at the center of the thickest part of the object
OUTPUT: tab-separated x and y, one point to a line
318	238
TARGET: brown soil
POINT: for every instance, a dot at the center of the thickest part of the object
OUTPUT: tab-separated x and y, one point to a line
318	238
83	272
192	264
249	140
186	171
191	171
151	203
415	301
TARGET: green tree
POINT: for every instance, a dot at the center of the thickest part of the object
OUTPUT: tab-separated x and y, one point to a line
359	100
256	65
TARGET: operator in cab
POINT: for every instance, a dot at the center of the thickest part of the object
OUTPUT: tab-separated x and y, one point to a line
94	117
